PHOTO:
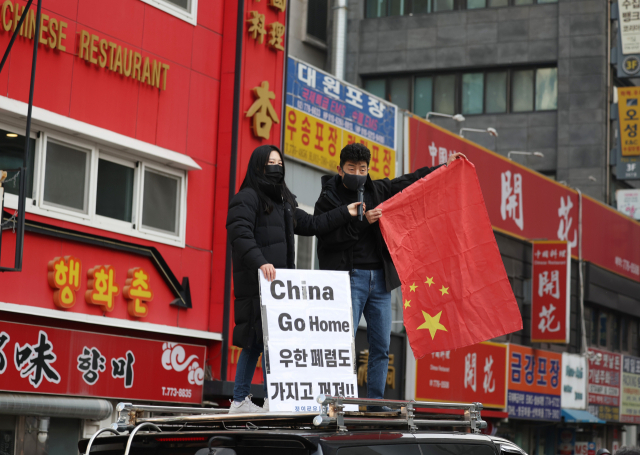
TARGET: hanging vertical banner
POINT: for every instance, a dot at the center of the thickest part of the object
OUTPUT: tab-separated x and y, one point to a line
630	399
307	324
551	292
534	383
323	114
574	381
629	119
605	369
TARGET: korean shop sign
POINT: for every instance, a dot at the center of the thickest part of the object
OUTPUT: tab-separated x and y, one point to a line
629	119
574	381
551	292
324	114
604	384
472	373
630	400
629	26
534	383
308	337
68	362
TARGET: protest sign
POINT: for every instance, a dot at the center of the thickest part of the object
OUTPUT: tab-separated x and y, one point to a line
308	337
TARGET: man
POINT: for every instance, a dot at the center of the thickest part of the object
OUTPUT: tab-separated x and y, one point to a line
358	247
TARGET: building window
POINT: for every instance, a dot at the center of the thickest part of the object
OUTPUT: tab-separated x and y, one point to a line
115	193
161	202
382	8
66	177
317	11
624	334
602	329
12	157
186	10
471	93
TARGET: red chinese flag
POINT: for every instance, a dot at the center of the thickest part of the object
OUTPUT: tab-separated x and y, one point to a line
455	290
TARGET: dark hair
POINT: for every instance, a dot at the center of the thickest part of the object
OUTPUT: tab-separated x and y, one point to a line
255	178
355	152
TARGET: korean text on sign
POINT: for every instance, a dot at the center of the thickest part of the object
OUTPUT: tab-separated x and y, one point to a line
629	119
309	344
630	397
605	370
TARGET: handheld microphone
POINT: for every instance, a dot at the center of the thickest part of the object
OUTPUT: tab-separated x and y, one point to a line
360	199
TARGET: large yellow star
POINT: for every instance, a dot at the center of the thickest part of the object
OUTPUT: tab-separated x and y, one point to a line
432	323
429	281
413	287
406	303
444	290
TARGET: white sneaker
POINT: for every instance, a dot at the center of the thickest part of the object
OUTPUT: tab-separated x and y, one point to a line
245	407
265	406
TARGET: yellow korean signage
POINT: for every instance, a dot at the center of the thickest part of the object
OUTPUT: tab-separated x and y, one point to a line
629	119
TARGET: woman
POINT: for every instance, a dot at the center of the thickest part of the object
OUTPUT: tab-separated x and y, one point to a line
262	219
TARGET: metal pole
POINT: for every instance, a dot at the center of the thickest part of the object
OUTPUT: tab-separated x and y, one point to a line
15	33
25	163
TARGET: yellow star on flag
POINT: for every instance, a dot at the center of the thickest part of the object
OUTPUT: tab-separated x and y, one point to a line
406	303
429	281
444	290
413	287
432	323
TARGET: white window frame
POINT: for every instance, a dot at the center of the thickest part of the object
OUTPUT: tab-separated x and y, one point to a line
88	183
169	8
182	200
37	206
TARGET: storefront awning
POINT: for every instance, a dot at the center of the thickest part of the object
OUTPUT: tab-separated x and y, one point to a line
578	416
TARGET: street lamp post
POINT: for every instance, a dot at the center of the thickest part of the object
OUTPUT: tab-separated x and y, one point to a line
513	152
491	131
457	117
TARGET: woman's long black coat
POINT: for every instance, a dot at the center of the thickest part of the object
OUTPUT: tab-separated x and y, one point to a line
259	238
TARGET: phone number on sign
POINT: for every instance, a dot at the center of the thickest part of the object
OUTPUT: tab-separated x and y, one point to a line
173	392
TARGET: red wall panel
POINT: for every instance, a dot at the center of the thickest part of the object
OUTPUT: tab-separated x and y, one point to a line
166	36
207	50
120	19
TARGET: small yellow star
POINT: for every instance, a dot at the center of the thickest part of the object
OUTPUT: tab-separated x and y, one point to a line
413	287
429	281
406	303
432	324
444	290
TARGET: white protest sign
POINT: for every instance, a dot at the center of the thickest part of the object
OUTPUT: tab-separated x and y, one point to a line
308	338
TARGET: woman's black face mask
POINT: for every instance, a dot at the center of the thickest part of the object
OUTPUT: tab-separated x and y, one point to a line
274	173
353	181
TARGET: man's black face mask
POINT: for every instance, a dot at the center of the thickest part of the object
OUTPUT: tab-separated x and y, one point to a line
352	181
274	173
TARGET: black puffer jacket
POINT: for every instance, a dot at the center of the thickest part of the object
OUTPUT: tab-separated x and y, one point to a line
259	238
335	249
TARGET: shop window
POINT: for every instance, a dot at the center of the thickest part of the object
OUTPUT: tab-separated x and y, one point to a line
397	7
423	96
443	5
377	87
472	93
615	333
114	197
421	6
376	8
546	89
522	90
160	202
12	157
496	92
602	329
444	94
317	11
624	334
399	89
183	9
594	327
66	179
63	436
7	434
475	4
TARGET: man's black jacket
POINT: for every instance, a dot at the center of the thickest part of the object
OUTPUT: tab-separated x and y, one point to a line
335	249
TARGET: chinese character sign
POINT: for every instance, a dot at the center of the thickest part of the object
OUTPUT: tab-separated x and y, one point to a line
629	26
574	381
324	114
630	399
473	373
57	361
629	119
628	202
550	300
308	336
534	383
605	369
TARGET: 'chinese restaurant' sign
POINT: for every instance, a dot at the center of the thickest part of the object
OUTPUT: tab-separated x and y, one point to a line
68	362
604	384
630	402
534	383
551	292
574	381
473	373
629	119
324	114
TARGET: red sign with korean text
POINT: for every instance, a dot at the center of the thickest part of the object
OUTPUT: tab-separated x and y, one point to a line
551	291
69	362
528	205
473	373
605	373
534	383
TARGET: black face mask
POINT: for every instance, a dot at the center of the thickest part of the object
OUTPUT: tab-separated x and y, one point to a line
352	181
274	173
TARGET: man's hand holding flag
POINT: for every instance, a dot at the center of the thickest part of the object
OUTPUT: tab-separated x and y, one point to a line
454	286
